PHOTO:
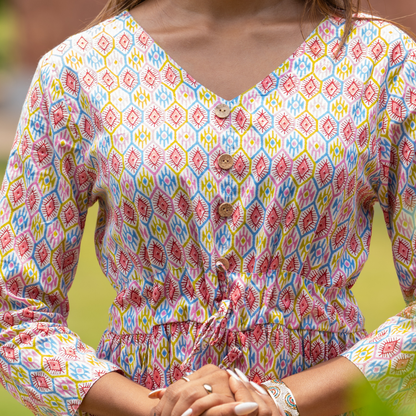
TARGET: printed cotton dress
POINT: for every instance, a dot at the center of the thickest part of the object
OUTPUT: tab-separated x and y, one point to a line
231	230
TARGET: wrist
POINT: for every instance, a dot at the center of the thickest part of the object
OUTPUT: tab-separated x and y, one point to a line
115	395
282	397
328	388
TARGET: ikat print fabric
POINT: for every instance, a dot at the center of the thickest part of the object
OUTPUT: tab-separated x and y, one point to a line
111	118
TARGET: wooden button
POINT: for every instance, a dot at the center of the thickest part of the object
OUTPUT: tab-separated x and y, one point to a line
224	263
225	161
222	110
225	210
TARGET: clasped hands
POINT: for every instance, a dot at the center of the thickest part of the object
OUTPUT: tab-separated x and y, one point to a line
231	395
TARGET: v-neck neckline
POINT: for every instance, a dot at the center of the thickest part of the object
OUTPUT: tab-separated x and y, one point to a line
239	97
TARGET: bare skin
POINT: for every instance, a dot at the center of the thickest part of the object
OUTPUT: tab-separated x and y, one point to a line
228	46
115	395
330	388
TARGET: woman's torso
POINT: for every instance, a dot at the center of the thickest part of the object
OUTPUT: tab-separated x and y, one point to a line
305	163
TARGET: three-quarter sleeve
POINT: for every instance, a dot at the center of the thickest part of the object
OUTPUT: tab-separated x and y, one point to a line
43	203
387	356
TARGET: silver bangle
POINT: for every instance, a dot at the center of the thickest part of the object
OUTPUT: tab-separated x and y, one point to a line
282	396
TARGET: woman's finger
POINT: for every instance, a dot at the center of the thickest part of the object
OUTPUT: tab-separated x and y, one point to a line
180	396
207	402
178	399
259	389
156	394
232	409
241	375
196	391
270	403
203	372
167	398
242	391
247	392
184	395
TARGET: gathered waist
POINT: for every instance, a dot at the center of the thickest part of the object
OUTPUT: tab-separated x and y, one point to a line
270	325
182	347
240	301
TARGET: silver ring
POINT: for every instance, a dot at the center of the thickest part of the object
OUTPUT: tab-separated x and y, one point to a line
207	388
186	379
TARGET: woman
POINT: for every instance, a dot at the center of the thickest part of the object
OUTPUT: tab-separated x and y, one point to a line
235	200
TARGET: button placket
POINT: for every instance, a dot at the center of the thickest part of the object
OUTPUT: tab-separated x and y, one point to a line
225	210
225	161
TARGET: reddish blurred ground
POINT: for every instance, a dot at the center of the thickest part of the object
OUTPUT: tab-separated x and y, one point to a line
42	24
46	23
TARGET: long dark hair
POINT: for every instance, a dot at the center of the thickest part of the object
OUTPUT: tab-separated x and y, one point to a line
347	9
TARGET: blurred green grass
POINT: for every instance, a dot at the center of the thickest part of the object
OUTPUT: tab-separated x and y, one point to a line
377	292
8	29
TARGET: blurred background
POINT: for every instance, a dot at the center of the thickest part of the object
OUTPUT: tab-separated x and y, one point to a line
30	28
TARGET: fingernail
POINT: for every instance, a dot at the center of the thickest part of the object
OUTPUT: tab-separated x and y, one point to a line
232	374
241	374
187	413
155	394
245	408
260	389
